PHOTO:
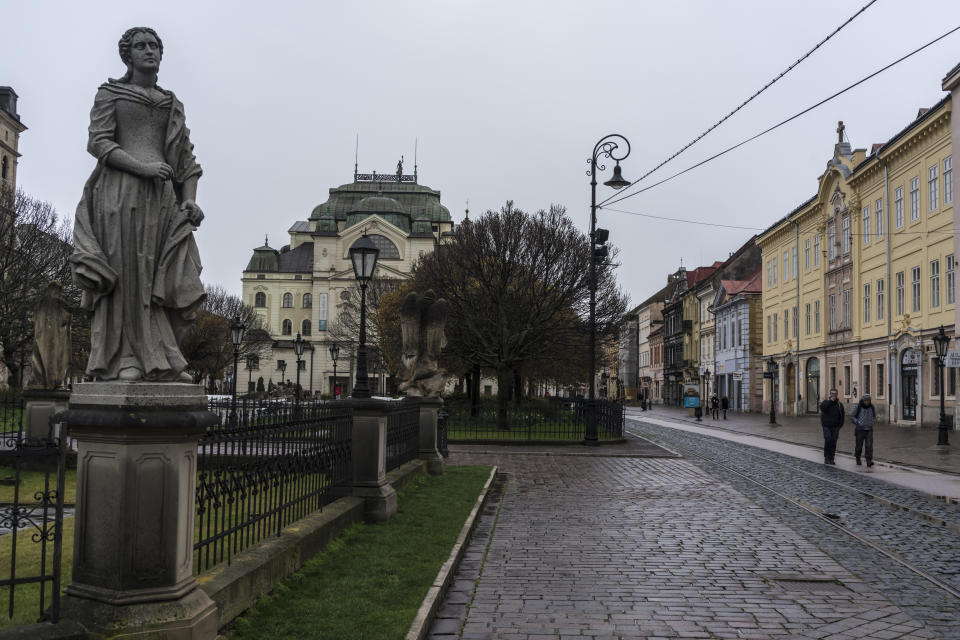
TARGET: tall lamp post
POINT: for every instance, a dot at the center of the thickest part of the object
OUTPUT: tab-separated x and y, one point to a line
608	146
771	372
363	255
334	354
251	363
237	329
942	341
282	365
298	345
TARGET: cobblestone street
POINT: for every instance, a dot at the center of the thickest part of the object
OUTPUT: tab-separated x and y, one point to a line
610	546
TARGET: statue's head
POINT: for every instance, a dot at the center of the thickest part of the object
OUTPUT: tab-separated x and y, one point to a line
126	46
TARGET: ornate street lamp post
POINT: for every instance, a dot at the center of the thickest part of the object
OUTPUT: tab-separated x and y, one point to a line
606	147
772	371
942	341
282	365
237	329
298	345
363	255
251	363
334	354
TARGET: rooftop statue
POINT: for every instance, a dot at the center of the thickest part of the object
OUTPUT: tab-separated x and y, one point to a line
422	321
135	255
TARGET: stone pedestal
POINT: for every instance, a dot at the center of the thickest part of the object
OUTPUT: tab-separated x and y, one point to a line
429	409
369	452
41	405
136	482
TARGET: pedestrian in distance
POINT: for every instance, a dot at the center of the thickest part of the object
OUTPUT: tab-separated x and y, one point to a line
724	405
714	407
831	419
864	416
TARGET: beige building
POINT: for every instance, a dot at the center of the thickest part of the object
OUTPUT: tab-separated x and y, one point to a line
301	287
10	130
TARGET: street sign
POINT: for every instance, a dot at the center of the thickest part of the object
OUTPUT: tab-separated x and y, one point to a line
952	359
738	375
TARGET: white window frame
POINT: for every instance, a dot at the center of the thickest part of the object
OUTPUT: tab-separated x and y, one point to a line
816	316
881	298
806	254
832	241
845	225
796	261
879	214
816	250
866	224
948	180
933	182
915	288
915	198
901	285
935	283
866	303
807	318
951	279
898	206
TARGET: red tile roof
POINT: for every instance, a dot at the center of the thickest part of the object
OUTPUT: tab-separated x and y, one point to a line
753	284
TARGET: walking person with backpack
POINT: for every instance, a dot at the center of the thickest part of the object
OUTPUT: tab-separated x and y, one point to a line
831	419
864	416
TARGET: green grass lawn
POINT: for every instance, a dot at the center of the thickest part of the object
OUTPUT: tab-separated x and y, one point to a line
32	481
27	597
369	583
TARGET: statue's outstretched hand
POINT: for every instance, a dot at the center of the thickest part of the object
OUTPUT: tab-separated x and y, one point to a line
194	212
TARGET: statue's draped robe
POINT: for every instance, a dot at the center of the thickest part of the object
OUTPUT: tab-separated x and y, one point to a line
135	256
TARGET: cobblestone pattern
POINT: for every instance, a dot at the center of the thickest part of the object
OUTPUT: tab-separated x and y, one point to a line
622	548
932	548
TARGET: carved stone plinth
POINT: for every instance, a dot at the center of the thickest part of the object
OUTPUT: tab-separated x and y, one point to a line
136	482
369	453
41	406
429	410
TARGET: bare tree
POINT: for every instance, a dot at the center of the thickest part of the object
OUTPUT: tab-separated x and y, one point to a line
518	290
345	330
208	347
35	247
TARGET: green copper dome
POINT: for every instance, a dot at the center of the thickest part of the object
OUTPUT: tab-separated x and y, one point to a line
326	224
422	225
379	205
265	258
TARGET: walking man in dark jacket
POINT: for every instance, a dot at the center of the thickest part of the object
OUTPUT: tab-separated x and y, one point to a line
714	407
831	419
724	405
864	416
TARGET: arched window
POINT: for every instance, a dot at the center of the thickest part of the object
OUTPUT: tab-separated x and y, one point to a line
388	250
305	328
260	300
287	328
3	168
287	301
307	301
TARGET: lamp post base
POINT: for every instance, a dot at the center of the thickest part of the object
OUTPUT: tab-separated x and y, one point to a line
942	431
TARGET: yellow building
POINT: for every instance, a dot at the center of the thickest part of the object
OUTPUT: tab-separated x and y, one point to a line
859	278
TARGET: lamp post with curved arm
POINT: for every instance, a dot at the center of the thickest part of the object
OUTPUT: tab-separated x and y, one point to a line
615	147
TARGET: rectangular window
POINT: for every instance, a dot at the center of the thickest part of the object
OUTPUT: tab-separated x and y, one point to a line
806	254
952	382
880	386
948	180
898	203
950	279
816	316
846	235
769	273
846	380
769	331
774	272
879	216
832	241
866	379
916	288
786	324
866	303
933	183
846	309
786	266
774	327
796	322
796	265
900	293
833	377
934	283
915	198
881	301
832	312
806	317
739	333
866	225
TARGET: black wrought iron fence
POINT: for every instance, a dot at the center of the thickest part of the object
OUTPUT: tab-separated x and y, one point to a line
557	420
442	440
275	463
403	433
32	473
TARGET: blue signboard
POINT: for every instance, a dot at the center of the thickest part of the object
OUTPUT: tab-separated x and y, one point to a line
691	402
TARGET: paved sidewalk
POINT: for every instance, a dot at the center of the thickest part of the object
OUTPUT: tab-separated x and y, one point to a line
909	446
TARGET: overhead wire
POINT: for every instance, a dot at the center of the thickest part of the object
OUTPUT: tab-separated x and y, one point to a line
613	199
757	93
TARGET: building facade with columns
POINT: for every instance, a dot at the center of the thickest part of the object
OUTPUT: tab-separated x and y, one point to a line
301	287
859	278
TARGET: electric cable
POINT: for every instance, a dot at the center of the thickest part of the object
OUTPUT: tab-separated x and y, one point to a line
613	199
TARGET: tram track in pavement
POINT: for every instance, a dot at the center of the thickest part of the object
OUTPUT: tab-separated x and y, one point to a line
897	547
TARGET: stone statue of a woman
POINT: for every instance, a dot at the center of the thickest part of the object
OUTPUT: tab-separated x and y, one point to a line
135	256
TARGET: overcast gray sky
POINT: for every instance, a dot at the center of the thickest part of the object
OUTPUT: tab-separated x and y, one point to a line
507	99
